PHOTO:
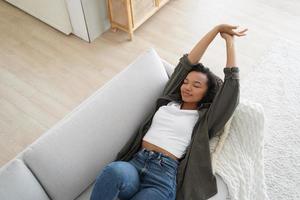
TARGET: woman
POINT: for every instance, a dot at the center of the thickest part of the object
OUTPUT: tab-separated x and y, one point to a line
171	140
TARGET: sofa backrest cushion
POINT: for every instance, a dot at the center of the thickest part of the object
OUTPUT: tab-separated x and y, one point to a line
68	157
17	182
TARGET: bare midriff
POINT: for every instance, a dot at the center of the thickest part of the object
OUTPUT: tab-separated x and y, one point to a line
152	147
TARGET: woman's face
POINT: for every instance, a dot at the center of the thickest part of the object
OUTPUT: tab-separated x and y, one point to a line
194	87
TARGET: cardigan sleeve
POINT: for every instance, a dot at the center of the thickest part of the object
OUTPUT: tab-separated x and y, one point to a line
225	101
183	67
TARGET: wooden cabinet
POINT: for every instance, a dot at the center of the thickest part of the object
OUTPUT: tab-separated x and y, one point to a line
128	15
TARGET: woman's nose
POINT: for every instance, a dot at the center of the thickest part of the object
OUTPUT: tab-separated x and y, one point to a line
188	87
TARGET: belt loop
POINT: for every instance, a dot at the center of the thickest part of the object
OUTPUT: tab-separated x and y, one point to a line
159	155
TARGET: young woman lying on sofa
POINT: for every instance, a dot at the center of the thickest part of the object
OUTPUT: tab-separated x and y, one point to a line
171	158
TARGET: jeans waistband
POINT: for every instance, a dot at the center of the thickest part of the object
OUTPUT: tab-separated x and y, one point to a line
160	155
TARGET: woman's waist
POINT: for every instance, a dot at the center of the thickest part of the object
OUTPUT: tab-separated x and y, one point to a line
151	147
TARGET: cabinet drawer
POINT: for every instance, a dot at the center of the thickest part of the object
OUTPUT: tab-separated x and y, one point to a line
141	10
119	12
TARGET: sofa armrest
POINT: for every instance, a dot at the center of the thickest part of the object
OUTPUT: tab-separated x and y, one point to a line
18	182
168	67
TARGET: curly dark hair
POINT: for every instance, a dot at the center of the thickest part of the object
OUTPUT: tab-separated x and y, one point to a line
213	84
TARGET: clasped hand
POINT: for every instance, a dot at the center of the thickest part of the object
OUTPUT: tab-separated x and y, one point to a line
227	31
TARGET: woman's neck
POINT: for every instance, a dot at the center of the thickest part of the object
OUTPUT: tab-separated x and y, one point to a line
188	106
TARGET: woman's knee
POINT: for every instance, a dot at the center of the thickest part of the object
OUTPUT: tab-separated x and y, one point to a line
122	171
120	178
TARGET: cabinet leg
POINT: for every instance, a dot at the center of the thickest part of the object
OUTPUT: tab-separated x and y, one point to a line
131	36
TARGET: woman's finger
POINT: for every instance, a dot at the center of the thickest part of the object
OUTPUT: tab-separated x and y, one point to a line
241	34
234	27
237	34
243	30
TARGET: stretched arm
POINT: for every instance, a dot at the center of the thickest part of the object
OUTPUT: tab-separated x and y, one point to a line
225	30
230	52
227	98
197	52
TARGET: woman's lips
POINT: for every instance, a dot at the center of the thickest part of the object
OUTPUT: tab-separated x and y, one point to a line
186	94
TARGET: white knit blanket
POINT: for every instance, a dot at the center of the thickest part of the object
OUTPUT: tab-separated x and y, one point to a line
237	154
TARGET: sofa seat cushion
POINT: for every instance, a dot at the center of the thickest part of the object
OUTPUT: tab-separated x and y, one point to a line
68	157
17	182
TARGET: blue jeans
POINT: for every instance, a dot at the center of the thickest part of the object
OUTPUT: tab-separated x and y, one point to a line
148	175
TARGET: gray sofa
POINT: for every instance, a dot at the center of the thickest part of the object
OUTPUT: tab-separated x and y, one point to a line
64	162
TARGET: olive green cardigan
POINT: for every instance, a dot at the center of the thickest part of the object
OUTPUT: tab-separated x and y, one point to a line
195	180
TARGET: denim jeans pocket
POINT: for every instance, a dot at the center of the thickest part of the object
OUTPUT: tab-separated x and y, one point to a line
167	169
138	156
171	173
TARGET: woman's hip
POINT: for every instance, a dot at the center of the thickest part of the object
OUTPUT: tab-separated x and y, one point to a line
155	162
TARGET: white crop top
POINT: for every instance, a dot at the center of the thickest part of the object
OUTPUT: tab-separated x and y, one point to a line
171	128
